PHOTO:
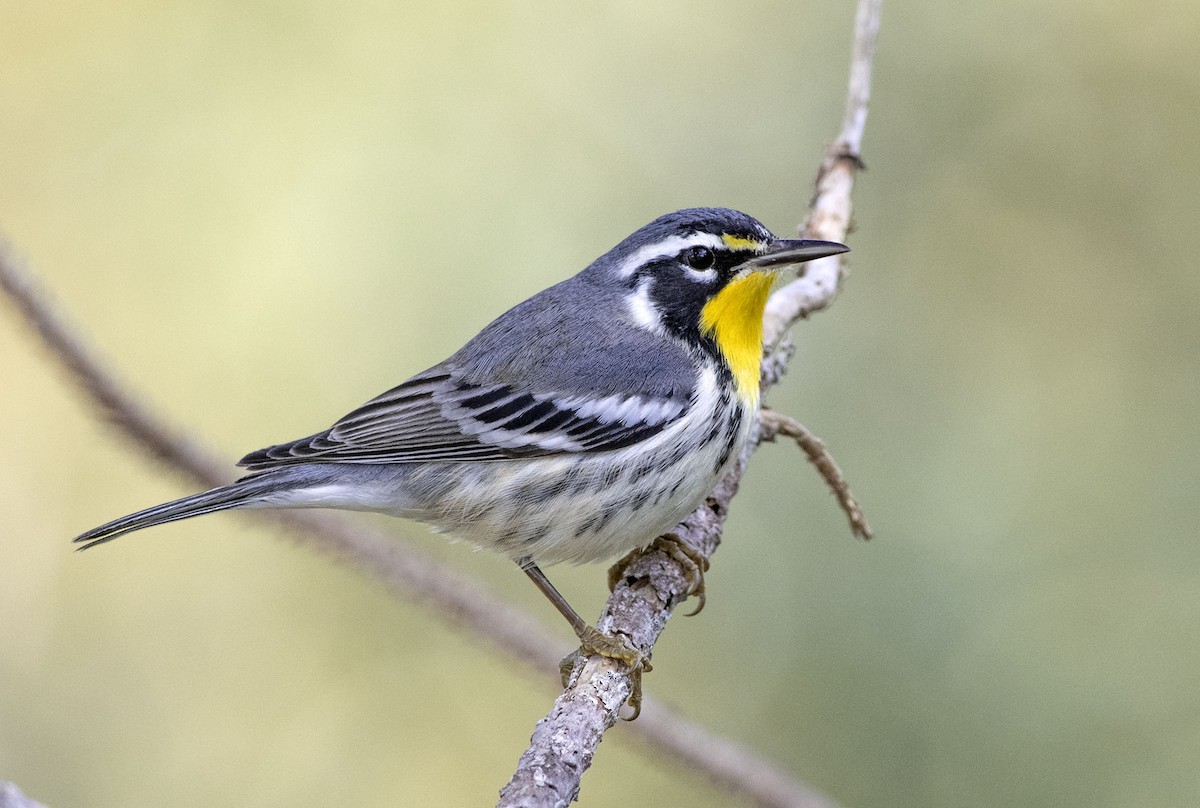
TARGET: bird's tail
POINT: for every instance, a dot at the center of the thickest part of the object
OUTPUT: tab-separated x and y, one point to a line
249	492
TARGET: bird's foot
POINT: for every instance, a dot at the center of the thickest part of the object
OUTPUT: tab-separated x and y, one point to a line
605	645
693	562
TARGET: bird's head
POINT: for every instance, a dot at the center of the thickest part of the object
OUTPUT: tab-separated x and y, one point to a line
703	276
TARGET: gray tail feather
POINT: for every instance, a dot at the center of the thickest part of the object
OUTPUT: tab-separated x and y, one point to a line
248	491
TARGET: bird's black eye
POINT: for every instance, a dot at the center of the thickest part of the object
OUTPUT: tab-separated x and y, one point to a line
699	258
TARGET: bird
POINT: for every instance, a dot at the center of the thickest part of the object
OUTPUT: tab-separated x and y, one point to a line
583	423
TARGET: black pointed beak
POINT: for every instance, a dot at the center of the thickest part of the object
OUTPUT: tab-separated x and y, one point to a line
789	251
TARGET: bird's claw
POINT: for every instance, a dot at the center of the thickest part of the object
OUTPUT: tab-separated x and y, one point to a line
605	645
693	562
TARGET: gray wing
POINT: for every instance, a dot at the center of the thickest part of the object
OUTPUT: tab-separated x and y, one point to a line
515	390
435	416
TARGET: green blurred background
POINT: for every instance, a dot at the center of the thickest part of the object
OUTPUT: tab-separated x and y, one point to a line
265	213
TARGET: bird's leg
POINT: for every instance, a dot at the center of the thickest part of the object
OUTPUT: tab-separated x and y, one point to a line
591	641
693	562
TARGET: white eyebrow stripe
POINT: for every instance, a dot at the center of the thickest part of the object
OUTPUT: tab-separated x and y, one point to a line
668	247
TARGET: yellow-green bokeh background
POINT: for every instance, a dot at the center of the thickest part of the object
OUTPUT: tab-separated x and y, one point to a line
264	213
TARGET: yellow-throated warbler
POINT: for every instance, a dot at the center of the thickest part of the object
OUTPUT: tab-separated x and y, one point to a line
580	424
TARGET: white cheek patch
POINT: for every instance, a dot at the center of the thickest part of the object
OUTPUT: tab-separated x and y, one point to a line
642	309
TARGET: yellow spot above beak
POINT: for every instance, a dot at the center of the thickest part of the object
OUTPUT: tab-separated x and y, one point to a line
739	243
734	319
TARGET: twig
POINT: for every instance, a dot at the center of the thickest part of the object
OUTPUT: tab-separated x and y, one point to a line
563	743
776	423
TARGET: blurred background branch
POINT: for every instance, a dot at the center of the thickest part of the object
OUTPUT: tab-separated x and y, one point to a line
13	797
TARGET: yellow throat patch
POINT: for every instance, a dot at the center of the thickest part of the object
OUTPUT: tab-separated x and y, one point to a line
734	318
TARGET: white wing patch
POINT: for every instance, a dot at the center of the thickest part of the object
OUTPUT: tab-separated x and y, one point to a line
628	410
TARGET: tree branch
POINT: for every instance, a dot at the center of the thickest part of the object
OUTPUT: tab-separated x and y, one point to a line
564	742
829	213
